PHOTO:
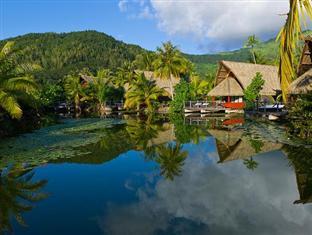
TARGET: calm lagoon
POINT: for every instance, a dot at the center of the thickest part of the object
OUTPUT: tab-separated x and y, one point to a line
156	176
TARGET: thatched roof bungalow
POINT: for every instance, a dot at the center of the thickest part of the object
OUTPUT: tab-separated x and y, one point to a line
162	83
233	77
233	145
303	84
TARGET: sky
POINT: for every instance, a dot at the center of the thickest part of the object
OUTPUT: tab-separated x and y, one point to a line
196	26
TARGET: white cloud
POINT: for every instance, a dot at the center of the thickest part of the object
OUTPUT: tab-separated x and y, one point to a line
216	24
211	198
122	4
220	23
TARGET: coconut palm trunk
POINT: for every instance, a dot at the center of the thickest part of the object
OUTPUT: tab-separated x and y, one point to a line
102	109
171	88
77	106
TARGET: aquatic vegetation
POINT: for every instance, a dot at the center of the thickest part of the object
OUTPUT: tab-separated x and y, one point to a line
55	142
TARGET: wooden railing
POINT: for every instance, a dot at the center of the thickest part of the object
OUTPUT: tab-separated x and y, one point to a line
202	104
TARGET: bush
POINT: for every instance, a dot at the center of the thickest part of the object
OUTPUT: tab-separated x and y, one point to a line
182	94
252	92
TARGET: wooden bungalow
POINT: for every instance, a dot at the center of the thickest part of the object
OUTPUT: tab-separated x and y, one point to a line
303	84
233	77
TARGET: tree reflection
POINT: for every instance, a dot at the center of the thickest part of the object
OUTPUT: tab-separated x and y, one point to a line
301	159
257	145
17	193
250	163
171	159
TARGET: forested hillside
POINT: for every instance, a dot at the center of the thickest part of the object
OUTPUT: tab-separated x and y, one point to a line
59	54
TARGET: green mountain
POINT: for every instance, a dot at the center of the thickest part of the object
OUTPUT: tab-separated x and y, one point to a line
59	54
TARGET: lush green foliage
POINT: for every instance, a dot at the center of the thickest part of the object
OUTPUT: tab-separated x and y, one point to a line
251	42
16	84
289	40
170	63
300	115
199	88
143	92
60	54
252	92
74	90
101	89
182	94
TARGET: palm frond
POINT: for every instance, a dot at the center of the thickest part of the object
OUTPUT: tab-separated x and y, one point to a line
10	104
289	38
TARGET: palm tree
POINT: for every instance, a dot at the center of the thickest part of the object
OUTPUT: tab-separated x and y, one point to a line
251	42
143	92
16	189
198	87
102	89
145	61
15	82
142	132
73	90
289	37
251	164
171	159
125	74
169	63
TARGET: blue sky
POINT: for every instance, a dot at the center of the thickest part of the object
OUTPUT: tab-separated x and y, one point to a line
195	26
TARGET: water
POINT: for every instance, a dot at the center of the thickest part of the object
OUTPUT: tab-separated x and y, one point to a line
156	176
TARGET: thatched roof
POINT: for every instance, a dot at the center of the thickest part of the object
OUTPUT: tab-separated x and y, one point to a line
162	83
228	87
301	85
243	73
232	145
306	56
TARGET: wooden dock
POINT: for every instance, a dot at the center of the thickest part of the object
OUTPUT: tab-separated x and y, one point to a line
203	107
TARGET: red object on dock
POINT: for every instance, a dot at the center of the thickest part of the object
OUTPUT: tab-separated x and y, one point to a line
233	121
234	105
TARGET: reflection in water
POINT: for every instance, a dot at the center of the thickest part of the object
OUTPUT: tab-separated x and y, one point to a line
171	159
301	159
17	194
200	185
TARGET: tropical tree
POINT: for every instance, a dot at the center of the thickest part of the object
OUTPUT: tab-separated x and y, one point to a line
145	61
171	159
74	91
16	83
182	94
251	42
251	164
252	92
289	38
102	89
198	87
169	63
17	193
143	92
126	74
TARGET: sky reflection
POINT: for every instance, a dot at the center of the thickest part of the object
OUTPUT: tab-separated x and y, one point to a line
216	198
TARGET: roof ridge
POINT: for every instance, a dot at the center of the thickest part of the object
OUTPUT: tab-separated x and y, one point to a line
240	62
